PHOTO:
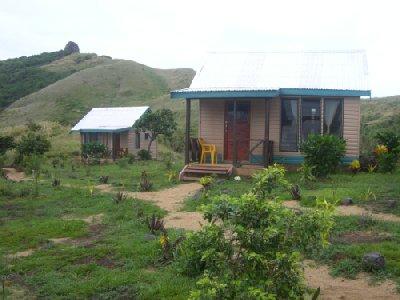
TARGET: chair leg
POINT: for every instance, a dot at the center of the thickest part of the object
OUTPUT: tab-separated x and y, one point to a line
201	157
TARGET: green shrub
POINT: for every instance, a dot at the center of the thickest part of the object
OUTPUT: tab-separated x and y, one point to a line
144	155
206	181
167	158
388	151
34	143
306	174
323	152
6	143
145	185
387	162
94	150
390	139
268	180
254	249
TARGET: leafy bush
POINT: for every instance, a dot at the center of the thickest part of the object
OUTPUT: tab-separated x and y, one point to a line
94	150
6	143
144	155
306	174
324	152
34	143
253	251
206	181
387	152
268	180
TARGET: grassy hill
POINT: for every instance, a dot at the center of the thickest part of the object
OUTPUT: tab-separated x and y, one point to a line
96	82
378	114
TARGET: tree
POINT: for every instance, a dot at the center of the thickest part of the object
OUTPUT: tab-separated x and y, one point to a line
159	122
71	47
6	143
33	144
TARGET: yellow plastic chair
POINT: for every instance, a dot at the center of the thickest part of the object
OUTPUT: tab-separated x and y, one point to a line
207	149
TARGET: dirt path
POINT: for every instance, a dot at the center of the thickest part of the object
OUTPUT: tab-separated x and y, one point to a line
350	210
13	175
347	289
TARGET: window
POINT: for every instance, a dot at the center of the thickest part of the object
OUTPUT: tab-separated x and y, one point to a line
289	125
146	136
333	116
137	140
310	117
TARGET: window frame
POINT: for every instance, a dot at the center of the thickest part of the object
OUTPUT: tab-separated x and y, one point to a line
298	102
341	99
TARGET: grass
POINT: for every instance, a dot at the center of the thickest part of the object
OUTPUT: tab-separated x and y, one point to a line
118	261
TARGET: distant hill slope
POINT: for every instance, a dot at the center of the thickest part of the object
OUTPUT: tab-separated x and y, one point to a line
377	115
96	82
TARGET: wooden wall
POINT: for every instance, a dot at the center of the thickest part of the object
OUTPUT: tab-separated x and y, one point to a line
211	124
143	143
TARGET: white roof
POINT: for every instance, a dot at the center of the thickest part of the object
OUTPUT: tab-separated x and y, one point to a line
341	70
110	118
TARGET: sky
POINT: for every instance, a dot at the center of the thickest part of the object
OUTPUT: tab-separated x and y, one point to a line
179	33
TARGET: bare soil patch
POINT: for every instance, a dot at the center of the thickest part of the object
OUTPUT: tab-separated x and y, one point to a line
184	220
25	253
356	237
347	289
14	175
93	219
105	261
350	210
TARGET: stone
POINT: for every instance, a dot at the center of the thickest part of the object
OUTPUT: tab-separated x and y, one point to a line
391	203
347	201
149	237
373	261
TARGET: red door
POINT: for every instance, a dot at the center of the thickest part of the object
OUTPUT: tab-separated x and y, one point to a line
242	130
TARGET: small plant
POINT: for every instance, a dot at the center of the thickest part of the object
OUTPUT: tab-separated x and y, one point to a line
306	174
144	155
34	163
355	166
380	149
371	168
155	223
169	248
93	151
145	185
56	183
268	180
123	162
90	188
366	221
324	152
368	195
206	181
119	197
103	179
131	158
295	192
172	176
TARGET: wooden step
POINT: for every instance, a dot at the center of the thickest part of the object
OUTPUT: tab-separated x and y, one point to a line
189	172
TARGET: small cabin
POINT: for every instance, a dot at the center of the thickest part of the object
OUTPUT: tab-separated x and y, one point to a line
112	126
256	108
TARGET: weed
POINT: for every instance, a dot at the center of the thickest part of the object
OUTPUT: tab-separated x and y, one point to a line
119	197
103	179
56	182
155	223
145	184
295	192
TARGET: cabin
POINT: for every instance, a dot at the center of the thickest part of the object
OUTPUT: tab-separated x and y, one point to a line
112	126
256	108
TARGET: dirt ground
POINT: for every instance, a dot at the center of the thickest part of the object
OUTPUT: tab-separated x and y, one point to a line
14	175
350	210
347	289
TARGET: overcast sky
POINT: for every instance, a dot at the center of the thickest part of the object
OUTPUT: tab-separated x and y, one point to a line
172	33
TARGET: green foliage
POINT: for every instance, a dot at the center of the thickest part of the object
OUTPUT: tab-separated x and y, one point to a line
6	143
34	164
206	181
176	141
71	47
159	122
387	161
123	162
144	154
167	158
248	241
33	143
94	150
268	180
324	152
306	174
22	76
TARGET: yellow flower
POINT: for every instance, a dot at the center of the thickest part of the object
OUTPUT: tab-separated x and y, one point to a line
381	149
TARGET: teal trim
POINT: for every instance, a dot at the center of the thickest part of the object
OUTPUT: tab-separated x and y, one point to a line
296	160
257	159
323	92
223	94
104	130
184	94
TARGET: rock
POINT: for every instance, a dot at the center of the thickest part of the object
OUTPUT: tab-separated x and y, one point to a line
373	261
149	237
391	203
347	201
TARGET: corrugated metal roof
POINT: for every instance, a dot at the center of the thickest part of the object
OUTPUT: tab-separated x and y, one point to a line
236	71
110	118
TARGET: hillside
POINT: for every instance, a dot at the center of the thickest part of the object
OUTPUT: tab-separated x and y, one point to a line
378	114
96	82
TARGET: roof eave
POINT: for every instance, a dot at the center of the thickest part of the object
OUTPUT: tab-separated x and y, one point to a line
190	94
